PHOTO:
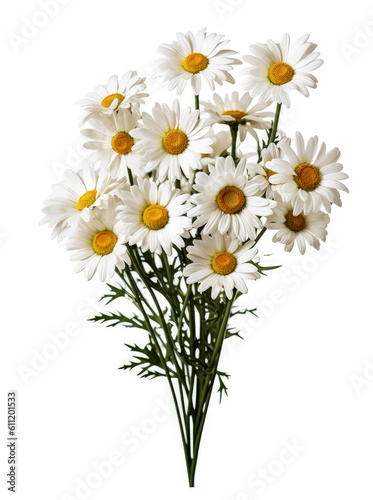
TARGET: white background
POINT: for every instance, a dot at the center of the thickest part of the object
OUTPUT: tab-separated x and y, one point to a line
302	374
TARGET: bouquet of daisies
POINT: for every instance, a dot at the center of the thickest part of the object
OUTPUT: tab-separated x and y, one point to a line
170	205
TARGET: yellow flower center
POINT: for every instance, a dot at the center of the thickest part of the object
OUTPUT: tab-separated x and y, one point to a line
175	141
230	200
194	63
295	223
86	199
104	242
236	114
269	172
224	263
106	102
155	217
280	73
122	143
308	176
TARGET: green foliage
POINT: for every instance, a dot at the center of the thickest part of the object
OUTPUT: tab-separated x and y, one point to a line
146	360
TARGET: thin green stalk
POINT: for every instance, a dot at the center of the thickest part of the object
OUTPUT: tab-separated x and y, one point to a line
161	317
180	326
234	132
207	391
260	235
202	353
137	293
275	123
130	176
196	101
168	269
222	331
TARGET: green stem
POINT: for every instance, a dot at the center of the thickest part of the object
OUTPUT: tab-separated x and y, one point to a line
222	331
130	176
152	333
196	101
207	391
160	315
180	326
234	132
168	269
260	235
275	124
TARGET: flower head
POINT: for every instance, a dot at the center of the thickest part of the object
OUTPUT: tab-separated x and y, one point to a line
78	193
115	94
308	177
277	68
154	216
220	263
112	143
299	229
98	245
226	201
234	109
194	58
172	142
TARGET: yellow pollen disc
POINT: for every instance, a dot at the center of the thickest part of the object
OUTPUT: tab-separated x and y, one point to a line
194	63
86	199
308	176
155	217
280	73
106	102
295	223
104	242
236	114
122	143
230	200
224	263
269	172
175	141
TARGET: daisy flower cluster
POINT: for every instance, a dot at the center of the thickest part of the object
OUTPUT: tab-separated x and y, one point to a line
175	200
172	176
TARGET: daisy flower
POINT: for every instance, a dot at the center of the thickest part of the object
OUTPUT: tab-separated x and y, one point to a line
99	245
112	142
154	216
278	68
299	229
77	194
220	263
308	178
172	142
237	110
116	94
225	201
261	173
193	58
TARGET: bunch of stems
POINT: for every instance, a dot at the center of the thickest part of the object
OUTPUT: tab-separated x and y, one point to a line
188	345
